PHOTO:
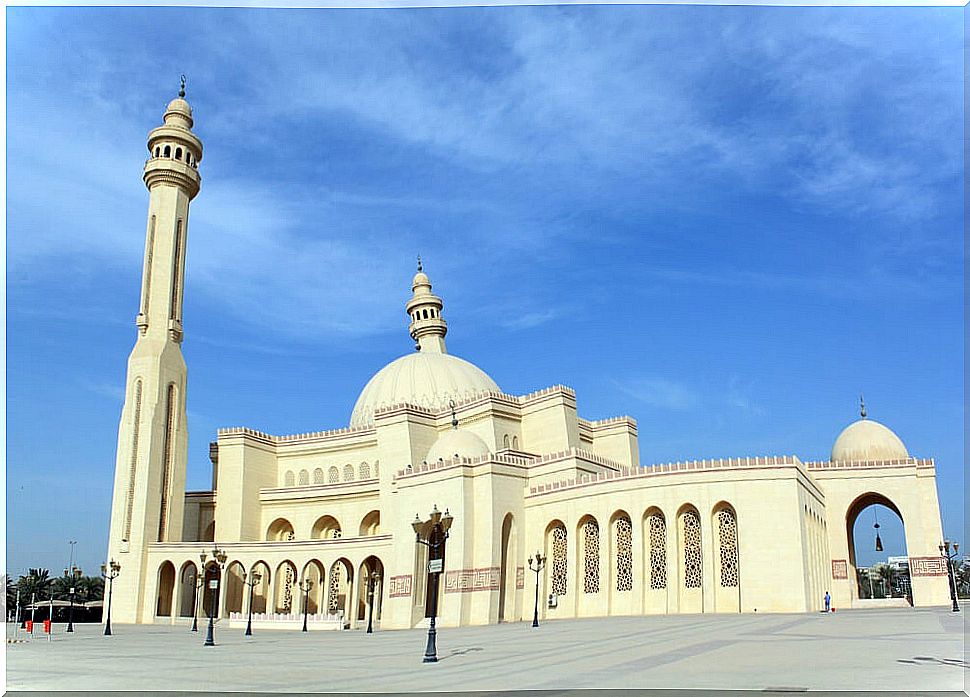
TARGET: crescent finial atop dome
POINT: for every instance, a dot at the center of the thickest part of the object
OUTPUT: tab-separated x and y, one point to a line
862	406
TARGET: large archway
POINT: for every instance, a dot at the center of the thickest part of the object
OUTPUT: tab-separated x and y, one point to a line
315	574
260	591
506	593
339	589
188	591
370	569
235	587
286	590
210	595
166	588
878	557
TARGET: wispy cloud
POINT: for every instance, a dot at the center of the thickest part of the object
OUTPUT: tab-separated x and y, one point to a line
661	393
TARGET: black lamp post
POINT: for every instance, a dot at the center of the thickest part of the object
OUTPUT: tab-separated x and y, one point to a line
109	572
540	564
254	579
436	557
945	553
305	585
371	585
199	582
220	558
75	575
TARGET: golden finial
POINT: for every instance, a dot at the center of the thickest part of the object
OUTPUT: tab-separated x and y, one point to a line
454	418
182	88
420	268
862	406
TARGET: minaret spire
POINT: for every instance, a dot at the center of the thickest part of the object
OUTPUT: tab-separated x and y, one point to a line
427	328
182	88
149	485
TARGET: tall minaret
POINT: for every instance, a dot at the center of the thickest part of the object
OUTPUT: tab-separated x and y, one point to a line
149	486
427	328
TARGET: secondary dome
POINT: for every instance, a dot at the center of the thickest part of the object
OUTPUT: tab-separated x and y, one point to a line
429	378
868	440
453	443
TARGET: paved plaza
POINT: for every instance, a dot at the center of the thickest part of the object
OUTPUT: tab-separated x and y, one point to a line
887	650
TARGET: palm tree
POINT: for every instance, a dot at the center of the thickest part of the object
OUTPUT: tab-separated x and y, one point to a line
885	574
961	574
35	583
89	588
11	594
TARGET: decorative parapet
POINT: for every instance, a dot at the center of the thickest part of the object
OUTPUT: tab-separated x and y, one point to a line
294	437
610	423
863	464
623	472
497	458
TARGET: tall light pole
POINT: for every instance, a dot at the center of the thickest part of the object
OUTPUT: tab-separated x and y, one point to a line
436	560
305	585
219	557
199	582
109	572
254	579
540	564
75	574
945	553
371	585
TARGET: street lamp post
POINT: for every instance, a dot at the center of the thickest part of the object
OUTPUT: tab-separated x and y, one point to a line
436	547
76	574
199	582
305	585
254	579
945	553
371	585
109	572
540	564
219	557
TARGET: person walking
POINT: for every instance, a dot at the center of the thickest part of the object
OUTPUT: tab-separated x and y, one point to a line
828	602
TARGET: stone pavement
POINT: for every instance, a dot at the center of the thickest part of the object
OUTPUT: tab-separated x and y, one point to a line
878	649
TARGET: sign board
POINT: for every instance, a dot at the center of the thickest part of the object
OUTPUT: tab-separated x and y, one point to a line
436	566
213	583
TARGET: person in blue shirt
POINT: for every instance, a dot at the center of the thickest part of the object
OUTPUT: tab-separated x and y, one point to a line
828	602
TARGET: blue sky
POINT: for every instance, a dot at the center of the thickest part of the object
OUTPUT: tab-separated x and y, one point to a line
726	222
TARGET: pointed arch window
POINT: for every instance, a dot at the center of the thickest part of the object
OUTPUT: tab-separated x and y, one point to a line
623	541
727	532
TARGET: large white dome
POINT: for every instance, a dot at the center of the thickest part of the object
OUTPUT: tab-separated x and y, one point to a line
426	379
867	440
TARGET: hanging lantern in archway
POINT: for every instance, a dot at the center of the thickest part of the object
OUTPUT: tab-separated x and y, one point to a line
878	539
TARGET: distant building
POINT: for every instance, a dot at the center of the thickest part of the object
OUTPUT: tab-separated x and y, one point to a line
518	473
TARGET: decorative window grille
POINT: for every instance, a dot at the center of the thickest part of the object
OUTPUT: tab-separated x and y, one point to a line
289	479
335	533
334	589
304	477
692	550
591	549
727	526
658	551
348	473
624	554
377	468
364	470
333	475
318	476
288	578
559	567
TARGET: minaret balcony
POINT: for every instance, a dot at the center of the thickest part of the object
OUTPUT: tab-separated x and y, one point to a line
162	170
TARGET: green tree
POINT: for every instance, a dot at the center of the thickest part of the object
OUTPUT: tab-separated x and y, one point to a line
11	593
35	583
882	578
89	588
961	574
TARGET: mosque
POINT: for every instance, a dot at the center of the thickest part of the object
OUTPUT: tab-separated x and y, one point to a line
325	522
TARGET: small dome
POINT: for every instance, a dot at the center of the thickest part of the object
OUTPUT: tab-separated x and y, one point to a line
454	442
868	440
420	279
178	113
425	379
